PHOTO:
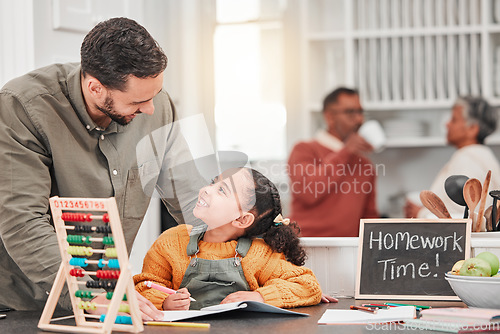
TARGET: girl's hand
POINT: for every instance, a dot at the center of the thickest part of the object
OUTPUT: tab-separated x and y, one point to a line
177	301
328	299
148	310
240	296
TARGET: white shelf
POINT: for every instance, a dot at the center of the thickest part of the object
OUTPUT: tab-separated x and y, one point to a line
493	140
403	32
415	142
427	31
398	105
402	56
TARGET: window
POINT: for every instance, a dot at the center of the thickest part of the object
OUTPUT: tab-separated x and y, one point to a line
250	113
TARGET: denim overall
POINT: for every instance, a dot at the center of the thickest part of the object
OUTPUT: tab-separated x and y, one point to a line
210	281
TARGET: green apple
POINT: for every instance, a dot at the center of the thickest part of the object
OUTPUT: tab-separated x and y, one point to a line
492	259
456	267
475	267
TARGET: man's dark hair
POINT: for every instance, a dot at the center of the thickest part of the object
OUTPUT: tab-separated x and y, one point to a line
117	48
334	96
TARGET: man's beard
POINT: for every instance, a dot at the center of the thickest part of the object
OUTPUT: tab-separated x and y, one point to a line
108	110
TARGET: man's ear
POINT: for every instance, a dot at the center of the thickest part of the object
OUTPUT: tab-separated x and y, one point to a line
95	88
244	221
473	131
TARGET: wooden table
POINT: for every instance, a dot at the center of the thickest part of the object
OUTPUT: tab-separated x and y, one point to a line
25	322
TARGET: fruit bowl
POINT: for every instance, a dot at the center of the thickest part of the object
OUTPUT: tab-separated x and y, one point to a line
476	291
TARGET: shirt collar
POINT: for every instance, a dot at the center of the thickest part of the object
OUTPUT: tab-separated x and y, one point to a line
329	141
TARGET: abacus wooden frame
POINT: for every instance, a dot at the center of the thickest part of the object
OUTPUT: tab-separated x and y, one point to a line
124	283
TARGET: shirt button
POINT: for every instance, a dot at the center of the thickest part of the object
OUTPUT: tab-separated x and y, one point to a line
102	137
115	172
88	127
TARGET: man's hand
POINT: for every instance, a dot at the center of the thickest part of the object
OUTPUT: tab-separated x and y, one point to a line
148	310
178	301
240	296
356	144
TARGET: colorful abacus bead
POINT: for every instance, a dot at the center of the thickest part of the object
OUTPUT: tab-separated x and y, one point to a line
109	295
108	274
84	294
76	217
80	250
78	261
103	229
78	239
76	272
108	241
87	305
92	284
125	308
120	319
105	218
111	252
112	263
83	228
108	285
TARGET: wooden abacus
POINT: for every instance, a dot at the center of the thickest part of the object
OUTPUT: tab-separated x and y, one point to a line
77	210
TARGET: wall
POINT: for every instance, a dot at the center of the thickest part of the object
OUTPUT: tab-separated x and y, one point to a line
16	37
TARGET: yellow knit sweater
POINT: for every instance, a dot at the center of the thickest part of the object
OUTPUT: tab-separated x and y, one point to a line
280	282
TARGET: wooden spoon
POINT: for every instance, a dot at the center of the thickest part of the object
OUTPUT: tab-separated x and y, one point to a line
435	205
482	203
472	196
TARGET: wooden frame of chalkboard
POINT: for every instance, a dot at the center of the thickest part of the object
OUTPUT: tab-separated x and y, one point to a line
407	258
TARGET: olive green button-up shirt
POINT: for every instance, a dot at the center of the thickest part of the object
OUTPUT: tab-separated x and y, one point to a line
50	146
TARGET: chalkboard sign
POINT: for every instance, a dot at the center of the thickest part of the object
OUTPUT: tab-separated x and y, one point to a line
407	258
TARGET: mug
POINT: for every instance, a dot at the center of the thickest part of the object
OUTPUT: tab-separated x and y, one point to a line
373	133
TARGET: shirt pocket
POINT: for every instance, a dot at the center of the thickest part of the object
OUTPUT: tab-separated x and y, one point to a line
141	183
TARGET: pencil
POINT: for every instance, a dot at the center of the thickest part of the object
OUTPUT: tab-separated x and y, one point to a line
177	324
376	306
362	308
417	306
161	288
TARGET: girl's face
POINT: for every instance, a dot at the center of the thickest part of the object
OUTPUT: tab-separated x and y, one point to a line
225	199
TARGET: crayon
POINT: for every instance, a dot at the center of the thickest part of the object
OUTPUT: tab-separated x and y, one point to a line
362	308
377	305
161	288
417	306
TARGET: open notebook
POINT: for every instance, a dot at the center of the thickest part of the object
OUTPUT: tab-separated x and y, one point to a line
392	314
250	306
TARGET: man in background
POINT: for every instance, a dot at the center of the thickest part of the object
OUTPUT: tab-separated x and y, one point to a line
472	120
332	182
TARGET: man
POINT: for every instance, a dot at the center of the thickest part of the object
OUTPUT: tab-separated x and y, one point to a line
331	181
472	120
84	130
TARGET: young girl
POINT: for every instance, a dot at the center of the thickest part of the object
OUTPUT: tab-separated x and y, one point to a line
248	251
